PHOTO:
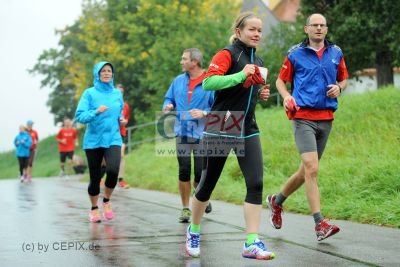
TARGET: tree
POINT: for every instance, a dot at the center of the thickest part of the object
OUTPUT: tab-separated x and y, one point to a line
367	31
144	40
274	49
52	65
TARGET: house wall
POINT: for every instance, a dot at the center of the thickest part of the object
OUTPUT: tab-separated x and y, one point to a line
367	83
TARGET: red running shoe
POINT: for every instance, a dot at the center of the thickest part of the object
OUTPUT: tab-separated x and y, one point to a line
275	217
324	230
123	184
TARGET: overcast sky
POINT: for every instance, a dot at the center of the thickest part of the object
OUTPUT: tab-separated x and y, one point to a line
26	29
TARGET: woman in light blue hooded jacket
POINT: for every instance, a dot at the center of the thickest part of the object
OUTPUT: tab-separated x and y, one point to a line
100	109
23	142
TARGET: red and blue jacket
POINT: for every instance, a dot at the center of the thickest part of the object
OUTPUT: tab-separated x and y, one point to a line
311	75
177	95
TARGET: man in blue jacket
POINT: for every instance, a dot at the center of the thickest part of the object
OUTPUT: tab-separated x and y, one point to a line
191	103
317	72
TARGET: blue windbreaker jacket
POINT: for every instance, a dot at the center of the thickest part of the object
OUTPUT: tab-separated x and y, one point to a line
312	75
102	128
22	149
177	95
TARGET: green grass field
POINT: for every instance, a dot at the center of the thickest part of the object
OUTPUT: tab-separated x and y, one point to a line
359	175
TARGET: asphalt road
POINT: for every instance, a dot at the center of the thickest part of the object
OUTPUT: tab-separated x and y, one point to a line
44	223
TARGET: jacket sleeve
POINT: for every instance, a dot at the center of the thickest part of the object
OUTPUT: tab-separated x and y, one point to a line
83	114
169	97
28	142
121	115
217	82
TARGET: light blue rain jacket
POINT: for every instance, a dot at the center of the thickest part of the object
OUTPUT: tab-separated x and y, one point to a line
24	141
102	128
177	95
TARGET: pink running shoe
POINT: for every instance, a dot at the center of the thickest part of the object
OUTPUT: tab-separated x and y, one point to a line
28	178
324	230
108	213
94	216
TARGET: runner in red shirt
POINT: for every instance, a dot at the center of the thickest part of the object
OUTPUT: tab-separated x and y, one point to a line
126	116
67	139
32	152
318	75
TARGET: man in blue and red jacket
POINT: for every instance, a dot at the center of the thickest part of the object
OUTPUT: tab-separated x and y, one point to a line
317	72
191	103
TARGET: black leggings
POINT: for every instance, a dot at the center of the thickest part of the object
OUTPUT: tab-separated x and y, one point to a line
185	147
251	165
23	164
95	156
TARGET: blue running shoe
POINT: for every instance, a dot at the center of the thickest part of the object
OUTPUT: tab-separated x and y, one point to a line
192	246
257	250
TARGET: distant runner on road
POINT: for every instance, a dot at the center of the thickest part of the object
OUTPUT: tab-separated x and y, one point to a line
23	142
67	139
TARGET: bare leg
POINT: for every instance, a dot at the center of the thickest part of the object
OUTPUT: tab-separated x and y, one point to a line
294	182
62	166
108	192
69	166
29	171
198	209
252	216
93	200
184	189
310	161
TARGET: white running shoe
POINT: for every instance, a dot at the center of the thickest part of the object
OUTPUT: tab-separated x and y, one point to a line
192	246
257	250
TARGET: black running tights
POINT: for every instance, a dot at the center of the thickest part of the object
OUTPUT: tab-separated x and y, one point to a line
112	156
251	165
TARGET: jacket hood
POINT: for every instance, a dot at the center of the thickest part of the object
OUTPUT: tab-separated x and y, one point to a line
97	83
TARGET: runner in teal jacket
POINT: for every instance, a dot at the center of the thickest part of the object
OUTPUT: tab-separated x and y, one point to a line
102	127
100	107
22	142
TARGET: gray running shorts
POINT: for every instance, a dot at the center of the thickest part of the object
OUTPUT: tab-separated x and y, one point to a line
311	135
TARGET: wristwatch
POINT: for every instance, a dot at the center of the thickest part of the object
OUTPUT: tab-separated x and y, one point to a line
340	88
205	113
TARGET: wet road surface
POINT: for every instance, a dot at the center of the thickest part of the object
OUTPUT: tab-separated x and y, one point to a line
45	224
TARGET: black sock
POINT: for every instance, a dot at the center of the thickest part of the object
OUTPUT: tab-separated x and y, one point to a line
317	217
280	199
120	179
105	200
93	208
